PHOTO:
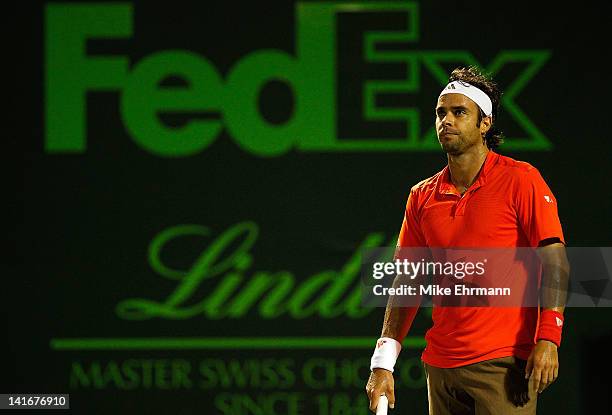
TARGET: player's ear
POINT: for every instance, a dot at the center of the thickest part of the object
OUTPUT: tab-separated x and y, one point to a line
485	125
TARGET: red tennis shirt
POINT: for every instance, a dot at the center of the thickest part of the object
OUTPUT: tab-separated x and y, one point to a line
509	205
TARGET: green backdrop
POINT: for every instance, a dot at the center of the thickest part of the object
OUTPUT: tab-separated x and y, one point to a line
199	179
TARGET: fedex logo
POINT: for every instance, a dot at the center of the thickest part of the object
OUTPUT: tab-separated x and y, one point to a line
311	73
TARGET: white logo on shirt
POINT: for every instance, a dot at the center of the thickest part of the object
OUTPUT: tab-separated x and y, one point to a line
548	198
559	321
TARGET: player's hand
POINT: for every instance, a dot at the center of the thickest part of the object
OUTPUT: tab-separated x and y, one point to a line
380	383
543	365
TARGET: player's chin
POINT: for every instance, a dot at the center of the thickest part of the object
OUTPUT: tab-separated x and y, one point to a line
450	146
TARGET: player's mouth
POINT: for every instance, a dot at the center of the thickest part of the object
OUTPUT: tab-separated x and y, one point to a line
448	133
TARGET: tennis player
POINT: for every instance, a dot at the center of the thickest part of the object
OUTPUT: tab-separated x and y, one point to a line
481	360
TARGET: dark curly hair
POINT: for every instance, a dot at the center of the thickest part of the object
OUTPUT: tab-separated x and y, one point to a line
473	76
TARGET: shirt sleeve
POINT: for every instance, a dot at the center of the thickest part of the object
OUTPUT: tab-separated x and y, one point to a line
537	209
410	234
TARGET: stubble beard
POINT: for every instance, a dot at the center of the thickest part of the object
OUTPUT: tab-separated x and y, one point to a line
454	147
459	145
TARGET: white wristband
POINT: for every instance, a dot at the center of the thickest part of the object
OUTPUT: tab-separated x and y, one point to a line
385	354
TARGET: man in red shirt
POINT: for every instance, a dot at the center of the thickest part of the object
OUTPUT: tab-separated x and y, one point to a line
478	359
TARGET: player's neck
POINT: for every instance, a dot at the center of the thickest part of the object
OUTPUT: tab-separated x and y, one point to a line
464	167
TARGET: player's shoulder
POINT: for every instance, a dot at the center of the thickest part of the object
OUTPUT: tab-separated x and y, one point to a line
428	184
509	166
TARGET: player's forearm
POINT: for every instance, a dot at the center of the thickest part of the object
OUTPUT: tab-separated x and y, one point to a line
555	278
553	293
398	318
398	321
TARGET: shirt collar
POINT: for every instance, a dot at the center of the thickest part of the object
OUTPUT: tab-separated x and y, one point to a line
446	186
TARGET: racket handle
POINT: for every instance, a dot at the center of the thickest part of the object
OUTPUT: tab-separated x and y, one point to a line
383	404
